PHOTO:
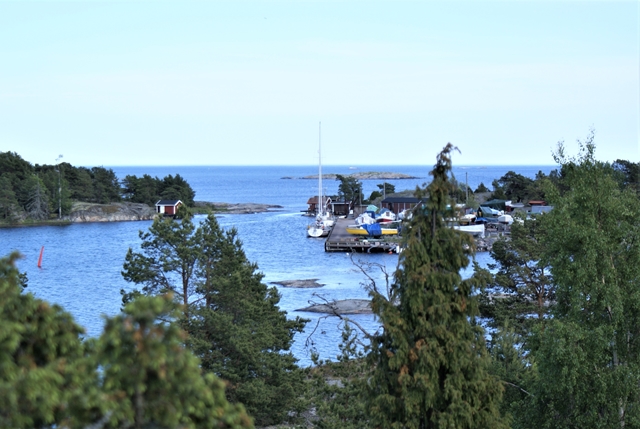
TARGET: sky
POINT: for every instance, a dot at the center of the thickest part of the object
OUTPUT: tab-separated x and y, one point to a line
106	83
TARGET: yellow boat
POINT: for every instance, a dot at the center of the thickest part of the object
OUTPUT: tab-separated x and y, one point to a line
359	230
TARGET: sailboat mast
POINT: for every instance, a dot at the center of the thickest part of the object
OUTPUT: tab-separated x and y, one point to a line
320	202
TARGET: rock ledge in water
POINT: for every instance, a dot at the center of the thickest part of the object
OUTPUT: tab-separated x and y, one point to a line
344	306
236	208
308	283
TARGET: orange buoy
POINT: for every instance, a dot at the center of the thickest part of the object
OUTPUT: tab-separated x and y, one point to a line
40	258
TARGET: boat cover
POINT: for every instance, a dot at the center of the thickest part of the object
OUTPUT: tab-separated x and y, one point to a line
374	230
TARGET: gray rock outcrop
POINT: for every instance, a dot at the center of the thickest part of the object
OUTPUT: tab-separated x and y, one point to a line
114	212
345	306
307	283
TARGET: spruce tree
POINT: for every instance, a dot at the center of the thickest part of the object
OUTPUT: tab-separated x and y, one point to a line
431	362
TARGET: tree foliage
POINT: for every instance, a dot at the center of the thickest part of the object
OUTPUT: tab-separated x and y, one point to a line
9	205
588	353
148	190
630	174
40	191
513	186
137	374
522	288
481	188
431	362
37	198
349	189
233	319
46	379
152	379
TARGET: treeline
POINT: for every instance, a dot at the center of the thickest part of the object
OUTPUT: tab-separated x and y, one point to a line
511	186
41	192
518	188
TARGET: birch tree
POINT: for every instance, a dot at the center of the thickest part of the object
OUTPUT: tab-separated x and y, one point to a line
588	352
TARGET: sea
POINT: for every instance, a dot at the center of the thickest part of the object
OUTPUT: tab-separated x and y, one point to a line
82	263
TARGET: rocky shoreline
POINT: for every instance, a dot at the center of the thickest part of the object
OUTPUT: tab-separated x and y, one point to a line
236	208
118	212
114	212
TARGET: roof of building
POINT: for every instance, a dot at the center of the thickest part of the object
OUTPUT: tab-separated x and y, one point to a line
168	202
314	200
401	200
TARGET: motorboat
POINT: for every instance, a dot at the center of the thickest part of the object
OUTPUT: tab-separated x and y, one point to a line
365	219
386	216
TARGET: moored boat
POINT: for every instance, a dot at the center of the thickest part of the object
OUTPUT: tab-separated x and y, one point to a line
324	220
373	230
477	230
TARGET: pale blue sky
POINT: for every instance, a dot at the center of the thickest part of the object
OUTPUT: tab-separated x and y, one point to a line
247	82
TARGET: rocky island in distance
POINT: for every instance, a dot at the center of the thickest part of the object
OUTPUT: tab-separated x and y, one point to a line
365	175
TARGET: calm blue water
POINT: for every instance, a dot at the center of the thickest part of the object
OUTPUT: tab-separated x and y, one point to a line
82	262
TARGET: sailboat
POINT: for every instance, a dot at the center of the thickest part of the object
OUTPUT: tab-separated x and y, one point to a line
324	220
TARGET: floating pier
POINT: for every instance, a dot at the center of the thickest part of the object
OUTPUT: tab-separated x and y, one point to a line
339	240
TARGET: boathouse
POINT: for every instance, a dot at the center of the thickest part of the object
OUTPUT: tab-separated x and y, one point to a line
340	207
312	203
168	207
400	204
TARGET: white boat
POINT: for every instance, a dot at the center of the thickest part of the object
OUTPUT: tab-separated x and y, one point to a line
318	230
324	220
508	219
365	219
477	230
386	216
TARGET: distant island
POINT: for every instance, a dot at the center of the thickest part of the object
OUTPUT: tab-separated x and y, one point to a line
368	175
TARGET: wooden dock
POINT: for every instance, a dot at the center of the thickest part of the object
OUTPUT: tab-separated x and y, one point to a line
339	240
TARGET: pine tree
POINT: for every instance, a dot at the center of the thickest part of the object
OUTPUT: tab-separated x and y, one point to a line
235	326
430	359
46	376
522	288
240	333
167	261
152	380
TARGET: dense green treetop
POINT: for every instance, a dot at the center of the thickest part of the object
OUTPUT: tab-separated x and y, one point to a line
148	190
588	352
152	380
137	374
42	191
350	190
232	317
431	362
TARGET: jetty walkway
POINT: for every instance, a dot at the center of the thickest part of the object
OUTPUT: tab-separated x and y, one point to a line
339	240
